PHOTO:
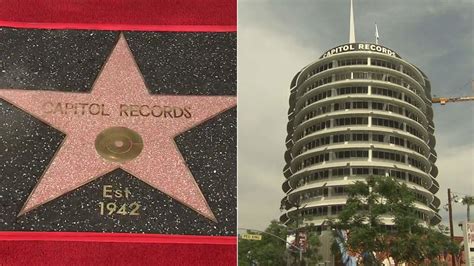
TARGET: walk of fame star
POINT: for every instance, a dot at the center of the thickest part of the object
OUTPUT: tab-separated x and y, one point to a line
83	117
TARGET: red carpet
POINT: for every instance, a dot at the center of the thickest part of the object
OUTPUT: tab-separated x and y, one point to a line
24	248
30	248
143	15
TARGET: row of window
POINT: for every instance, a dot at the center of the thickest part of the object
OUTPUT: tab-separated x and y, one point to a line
315	159
417	164
318	97
352	90
363	61
394	94
362	90
323	211
341	191
336	209
351	154
345	121
391	65
318	83
350	62
361	154
387	123
361	75
383	155
376	121
319	69
361	105
359	171
317	127
383	63
339	138
413	131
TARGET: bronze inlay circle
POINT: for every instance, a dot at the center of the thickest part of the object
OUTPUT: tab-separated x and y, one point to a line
118	144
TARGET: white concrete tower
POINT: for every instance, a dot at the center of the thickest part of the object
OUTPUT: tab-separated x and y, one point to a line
360	110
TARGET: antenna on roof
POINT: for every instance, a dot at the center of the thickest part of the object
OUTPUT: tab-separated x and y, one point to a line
352	37
376	34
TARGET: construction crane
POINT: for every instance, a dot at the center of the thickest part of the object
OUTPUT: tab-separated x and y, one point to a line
445	100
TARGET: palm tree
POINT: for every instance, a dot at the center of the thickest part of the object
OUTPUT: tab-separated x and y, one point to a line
468	200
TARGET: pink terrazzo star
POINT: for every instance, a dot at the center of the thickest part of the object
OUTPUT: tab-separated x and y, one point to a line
119	98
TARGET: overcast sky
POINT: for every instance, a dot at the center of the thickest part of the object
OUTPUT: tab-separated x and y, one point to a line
277	38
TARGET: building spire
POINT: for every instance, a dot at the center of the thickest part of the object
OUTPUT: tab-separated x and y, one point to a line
376	34
352	37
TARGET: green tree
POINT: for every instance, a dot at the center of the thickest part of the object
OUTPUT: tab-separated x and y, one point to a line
312	256
268	251
272	251
407	241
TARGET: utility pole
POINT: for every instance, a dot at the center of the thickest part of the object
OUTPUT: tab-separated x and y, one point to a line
450	211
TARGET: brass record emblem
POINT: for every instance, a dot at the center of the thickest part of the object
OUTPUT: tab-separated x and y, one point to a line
118	144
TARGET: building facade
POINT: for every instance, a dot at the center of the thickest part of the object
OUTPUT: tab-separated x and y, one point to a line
360	110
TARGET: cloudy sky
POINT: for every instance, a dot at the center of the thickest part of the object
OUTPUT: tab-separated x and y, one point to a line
277	38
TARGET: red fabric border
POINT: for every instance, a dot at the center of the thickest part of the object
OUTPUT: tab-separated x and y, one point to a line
134	15
117	238
86	248
49	253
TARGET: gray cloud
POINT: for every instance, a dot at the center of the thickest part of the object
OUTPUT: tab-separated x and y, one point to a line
278	38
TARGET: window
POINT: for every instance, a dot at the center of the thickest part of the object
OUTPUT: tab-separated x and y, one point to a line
398	174
414	179
378	137
383	63
314	177
414	132
318	111
352	154
336	209
319	69
315	160
386	123
318	97
348	62
377	106
360	171
339	190
361	75
360	105
352	90
386	92
317	127
360	137
317	211
340	172
340	138
378	171
388	156
351	121
343	76
397	141
416	163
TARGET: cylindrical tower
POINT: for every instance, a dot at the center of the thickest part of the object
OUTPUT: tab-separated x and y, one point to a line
359	110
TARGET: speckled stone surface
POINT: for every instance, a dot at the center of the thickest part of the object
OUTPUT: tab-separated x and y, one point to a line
70	61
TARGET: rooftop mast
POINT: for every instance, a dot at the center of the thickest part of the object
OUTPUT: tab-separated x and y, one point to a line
351	26
376	34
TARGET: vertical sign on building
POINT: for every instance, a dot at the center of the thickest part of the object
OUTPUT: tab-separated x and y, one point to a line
469	243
